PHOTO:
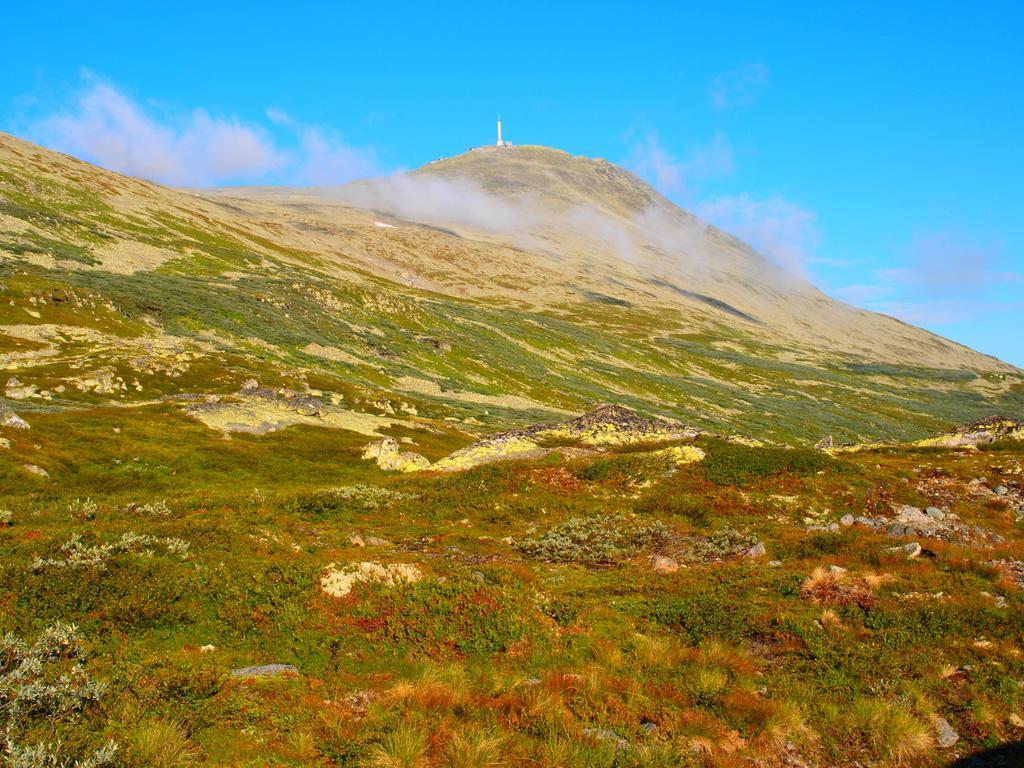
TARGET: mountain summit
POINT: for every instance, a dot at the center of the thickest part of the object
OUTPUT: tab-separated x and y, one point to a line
482	291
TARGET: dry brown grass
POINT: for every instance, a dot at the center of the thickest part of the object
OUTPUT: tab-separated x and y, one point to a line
825	587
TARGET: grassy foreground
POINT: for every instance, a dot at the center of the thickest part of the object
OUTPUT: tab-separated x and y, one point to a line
529	626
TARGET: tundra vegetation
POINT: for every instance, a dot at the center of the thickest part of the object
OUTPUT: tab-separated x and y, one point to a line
513	614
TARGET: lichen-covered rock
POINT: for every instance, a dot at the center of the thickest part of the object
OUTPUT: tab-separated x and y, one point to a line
389	457
975	433
265	670
612	424
681	454
338	581
664	564
606	425
502	447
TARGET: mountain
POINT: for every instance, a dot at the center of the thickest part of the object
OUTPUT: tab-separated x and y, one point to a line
487	290
472	467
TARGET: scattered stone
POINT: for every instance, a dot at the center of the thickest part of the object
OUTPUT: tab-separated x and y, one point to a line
355	540
947	737
375	541
36	470
531	682
1016	720
999	490
826	443
606	734
207	648
266	670
663	564
9	418
648	727
935	513
837	569
758	550
4	442
846	520
250	384
912	550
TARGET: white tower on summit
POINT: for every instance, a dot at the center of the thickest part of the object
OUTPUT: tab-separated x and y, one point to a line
500	143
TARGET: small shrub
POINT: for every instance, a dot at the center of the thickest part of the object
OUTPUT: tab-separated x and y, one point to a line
45	681
720	545
76	555
83	509
595	540
337	503
150	509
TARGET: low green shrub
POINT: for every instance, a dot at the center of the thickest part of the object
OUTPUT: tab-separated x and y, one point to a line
594	540
733	464
341	503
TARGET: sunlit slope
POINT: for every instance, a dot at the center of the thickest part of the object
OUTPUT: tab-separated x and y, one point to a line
115	289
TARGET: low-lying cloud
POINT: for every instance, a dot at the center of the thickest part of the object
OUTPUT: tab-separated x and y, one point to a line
678	176
456	201
780	230
777	228
195	147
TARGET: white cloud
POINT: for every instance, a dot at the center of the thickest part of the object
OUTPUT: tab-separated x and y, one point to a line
194	147
944	277
456	201
738	87
777	228
677	176
324	158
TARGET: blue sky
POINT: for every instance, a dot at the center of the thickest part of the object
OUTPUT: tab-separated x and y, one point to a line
877	147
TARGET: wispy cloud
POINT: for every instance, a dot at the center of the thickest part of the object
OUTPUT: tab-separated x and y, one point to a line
940	277
195	147
674	175
779	229
738	87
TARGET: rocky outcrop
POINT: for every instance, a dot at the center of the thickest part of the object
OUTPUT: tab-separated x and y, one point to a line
258	410
607	425
389	457
975	433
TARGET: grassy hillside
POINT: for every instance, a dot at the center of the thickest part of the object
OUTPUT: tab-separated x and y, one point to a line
201	565
112	279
